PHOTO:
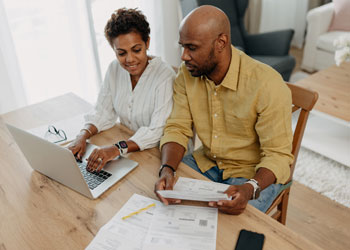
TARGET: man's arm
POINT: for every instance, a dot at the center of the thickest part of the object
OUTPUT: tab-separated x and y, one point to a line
241	194
172	154
177	131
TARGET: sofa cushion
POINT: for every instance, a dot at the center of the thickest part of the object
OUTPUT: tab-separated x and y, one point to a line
341	17
325	41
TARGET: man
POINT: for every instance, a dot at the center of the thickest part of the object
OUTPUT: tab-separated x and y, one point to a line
241	110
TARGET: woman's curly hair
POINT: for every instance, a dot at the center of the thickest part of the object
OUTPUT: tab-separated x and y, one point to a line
124	21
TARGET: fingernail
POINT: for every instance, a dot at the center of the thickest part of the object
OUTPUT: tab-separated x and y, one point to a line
219	203
211	204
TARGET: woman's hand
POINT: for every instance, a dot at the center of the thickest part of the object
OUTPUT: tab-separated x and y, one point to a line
100	156
78	146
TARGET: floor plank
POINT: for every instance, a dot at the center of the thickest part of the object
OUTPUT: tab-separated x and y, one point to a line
321	220
298	55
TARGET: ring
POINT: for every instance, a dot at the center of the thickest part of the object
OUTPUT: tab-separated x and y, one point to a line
99	159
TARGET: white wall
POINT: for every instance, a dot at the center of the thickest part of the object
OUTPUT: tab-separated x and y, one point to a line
11	86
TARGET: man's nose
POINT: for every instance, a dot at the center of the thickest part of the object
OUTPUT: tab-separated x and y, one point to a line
185	55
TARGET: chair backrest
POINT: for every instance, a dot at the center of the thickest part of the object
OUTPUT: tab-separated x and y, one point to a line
303	100
235	10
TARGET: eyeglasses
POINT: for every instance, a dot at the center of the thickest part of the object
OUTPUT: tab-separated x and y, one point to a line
55	135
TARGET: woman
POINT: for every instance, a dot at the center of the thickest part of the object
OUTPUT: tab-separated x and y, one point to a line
137	89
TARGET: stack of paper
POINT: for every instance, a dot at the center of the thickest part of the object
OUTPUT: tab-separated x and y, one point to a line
158	227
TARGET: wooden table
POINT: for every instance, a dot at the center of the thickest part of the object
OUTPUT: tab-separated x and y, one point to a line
328	130
38	213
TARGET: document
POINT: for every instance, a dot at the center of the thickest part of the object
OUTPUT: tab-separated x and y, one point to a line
182	227
145	224
196	190
195	185
192	195
127	234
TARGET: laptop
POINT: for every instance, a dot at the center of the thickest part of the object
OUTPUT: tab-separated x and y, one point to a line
59	164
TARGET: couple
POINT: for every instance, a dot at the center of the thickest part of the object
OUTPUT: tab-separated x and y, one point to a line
241	109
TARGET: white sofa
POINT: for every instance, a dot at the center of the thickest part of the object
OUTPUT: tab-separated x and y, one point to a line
319	49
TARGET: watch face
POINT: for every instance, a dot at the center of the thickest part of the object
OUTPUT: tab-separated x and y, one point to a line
123	144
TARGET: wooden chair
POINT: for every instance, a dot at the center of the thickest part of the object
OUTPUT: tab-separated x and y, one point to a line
304	100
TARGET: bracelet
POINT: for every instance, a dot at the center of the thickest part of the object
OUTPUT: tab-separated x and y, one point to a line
166	166
88	130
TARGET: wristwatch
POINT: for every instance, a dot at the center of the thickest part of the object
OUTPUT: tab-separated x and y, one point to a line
122	146
166	166
256	187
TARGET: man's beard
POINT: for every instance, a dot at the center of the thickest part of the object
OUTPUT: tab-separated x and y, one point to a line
208	66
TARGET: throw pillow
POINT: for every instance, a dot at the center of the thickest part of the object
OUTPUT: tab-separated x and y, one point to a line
341	17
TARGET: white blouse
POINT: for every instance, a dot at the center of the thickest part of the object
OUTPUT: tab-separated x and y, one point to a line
144	109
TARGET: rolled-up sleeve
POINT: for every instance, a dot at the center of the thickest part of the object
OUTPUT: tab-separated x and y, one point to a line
275	130
149	136
103	116
179	125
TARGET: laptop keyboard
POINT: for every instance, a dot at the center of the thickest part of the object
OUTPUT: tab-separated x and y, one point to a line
93	179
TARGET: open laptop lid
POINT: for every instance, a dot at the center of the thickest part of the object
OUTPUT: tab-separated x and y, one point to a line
59	164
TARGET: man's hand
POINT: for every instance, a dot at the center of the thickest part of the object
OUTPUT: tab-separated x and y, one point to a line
99	157
166	182
240	194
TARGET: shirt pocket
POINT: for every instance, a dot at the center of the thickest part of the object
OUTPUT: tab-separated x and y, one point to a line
238	126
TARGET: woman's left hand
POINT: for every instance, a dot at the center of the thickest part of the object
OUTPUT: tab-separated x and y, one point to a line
100	156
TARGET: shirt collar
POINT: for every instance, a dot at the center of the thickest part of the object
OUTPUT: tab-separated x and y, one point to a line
231	78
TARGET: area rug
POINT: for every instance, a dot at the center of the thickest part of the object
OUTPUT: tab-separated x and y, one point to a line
298	76
323	175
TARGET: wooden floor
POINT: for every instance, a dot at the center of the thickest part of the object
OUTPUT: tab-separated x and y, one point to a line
298	55
321	220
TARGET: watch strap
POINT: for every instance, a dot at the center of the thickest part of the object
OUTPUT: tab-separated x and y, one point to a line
166	166
256	187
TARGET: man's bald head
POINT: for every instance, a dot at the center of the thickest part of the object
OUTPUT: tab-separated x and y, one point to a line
206	22
205	38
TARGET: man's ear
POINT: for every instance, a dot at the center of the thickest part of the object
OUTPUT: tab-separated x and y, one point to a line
221	42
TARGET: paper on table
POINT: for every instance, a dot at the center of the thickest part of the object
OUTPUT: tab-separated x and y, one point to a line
196	190
182	227
119	234
70	126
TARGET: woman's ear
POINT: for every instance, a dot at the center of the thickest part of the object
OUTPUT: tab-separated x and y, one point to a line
147	43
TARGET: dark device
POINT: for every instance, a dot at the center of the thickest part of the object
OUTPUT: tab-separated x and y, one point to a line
248	240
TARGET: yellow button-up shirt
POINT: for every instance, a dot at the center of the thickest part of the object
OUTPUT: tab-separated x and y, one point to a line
244	123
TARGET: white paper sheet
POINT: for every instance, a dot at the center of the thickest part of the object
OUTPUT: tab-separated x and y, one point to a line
159	227
196	190
178	227
128	234
189	184
193	196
